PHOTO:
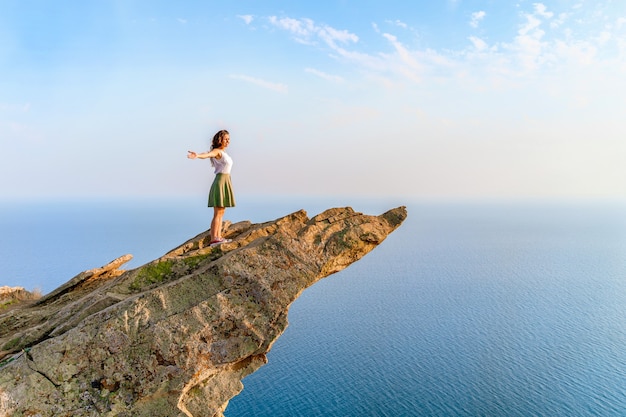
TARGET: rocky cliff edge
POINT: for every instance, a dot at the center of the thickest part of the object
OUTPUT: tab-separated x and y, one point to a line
176	336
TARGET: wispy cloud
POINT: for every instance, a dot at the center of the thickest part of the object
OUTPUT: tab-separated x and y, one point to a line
308	32
542	10
398	23
329	77
411	66
297	27
558	22
248	18
544	40
278	87
529	51
182	21
476	18
478	43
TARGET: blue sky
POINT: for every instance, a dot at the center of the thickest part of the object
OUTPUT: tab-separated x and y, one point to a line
424	99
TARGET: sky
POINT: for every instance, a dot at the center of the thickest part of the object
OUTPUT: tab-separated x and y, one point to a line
419	99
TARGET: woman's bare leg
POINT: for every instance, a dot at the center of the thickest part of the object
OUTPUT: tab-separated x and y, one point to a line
216	223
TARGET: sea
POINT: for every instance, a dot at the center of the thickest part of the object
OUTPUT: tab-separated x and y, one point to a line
470	308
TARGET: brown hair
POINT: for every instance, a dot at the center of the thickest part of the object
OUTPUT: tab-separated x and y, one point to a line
218	139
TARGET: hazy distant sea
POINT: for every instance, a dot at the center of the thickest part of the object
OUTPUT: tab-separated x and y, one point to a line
469	309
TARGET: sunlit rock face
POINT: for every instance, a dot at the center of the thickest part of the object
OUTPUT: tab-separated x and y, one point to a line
175	336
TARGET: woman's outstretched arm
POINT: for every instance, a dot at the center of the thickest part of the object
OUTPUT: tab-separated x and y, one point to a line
214	153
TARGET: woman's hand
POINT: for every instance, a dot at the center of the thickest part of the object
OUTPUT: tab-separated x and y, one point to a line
191	155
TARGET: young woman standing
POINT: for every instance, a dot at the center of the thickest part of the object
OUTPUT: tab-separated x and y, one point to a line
221	194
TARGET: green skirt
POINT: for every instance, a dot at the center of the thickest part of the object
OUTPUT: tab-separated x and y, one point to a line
221	193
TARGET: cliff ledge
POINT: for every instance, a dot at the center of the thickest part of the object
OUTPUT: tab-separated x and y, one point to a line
175	336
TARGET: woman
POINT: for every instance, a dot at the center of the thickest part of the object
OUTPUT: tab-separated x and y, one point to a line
221	193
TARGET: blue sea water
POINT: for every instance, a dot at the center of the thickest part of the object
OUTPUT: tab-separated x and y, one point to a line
468	309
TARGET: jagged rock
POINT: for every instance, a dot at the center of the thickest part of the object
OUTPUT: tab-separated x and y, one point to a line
11	297
13	294
175	336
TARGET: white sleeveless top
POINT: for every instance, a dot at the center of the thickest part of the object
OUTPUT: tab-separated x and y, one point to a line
222	165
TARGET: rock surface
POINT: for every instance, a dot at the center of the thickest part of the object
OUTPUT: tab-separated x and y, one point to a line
173	337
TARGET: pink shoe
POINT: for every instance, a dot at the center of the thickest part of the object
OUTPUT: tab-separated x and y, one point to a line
219	241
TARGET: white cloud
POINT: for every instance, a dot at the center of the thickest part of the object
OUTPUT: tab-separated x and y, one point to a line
398	23
403	52
476	18
559	21
544	40
182	21
576	53
330	36
542	10
248	18
329	77
532	23
478	43
306	31
528	48
278	87
298	27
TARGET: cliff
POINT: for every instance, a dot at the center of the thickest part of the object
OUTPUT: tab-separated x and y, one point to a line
173	337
